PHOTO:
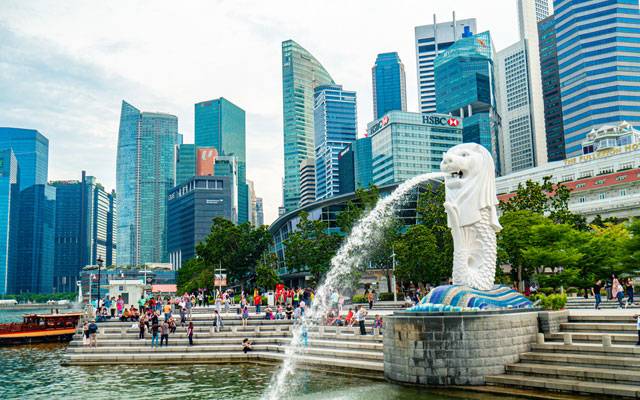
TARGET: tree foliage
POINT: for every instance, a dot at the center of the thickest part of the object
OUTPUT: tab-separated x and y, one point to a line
310	248
234	248
266	275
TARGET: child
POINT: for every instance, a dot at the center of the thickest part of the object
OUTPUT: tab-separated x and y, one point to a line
377	325
245	315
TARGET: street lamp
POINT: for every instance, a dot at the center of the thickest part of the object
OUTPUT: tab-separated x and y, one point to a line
99	261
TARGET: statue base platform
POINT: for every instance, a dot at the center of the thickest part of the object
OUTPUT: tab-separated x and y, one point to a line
457	298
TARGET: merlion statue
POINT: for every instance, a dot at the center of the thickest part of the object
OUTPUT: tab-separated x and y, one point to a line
470	203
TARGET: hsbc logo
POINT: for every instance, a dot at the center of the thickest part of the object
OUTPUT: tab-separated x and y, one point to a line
453	122
441	120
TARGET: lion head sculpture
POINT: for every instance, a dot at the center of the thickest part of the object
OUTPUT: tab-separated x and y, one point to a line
470	184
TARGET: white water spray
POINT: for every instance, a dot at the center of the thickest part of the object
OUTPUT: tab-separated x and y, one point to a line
363	238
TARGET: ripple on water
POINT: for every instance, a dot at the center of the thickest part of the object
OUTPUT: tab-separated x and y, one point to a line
34	372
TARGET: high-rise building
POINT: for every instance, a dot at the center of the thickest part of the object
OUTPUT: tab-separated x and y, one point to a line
259	211
252	203
405	144
356	166
228	166
465	88
524	142
432	40
35	212
307	182
112	230
82	229
553	125
598	45
335	125
36	239
9	199
191	208
301	74
145	172
221	124
185	162
31	149
389	84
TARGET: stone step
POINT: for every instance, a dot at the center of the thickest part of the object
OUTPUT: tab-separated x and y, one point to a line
356	354
588	349
594	337
203	358
590	360
581	373
609	327
602	390
597	318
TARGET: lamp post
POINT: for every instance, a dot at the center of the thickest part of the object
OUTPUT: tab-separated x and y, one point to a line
393	276
99	261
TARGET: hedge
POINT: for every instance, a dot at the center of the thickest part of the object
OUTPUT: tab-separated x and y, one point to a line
551	302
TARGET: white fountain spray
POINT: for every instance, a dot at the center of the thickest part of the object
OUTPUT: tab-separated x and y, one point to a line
349	257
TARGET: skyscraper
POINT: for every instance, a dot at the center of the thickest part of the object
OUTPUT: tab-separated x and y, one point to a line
9	196
465	88
81	230
145	171
112	230
524	143
389	84
35	211
355	166
335	126
432	40
301	74
307	182
221	124
554	127
598	46
259	211
185	163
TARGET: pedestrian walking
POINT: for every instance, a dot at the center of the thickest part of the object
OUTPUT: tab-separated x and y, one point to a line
190	333
85	333
93	333
370	298
629	287
183	317
595	291
617	291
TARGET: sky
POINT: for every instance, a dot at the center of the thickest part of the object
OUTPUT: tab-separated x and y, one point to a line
65	67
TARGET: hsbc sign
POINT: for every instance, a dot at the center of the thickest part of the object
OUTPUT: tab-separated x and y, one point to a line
440	120
427	119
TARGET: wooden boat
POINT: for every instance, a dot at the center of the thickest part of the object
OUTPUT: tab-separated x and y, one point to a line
39	328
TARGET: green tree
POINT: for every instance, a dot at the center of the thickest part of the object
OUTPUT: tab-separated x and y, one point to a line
364	200
431	213
416	255
235	248
266	276
310	248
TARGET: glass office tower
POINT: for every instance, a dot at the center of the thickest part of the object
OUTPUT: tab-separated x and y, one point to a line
598	47
221	124
335	126
301	74
389	84
465	88
145	172
9	195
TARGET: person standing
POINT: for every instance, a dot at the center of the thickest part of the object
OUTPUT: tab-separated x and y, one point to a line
154	330
141	326
370	298
245	315
617	291
164	336
595	291
257	301
629	287
93	333
190	333
217	321
360	318
183	317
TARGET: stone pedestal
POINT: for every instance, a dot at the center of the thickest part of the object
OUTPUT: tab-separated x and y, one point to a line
455	348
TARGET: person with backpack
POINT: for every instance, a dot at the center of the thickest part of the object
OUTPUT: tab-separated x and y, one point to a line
93	333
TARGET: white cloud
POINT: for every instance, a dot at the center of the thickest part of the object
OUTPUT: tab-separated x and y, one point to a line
68	64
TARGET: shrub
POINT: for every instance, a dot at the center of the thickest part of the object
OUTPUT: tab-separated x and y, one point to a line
546	290
387	296
551	302
572	290
236	299
359	298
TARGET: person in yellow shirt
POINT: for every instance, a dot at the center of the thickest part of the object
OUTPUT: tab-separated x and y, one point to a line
167	311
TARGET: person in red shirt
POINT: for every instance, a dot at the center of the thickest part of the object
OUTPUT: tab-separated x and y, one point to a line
349	318
257	301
